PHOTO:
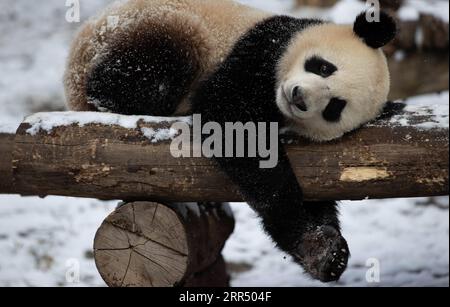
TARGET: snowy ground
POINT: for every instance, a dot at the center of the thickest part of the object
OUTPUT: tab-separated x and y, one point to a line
43	240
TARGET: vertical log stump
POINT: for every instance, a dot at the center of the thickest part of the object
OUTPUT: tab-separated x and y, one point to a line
6	170
146	244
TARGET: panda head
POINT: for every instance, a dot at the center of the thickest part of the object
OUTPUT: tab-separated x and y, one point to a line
334	78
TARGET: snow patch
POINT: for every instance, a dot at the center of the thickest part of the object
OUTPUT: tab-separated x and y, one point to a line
345	11
385	230
408	13
159	135
399	56
274	6
9	125
48	121
433	107
412	9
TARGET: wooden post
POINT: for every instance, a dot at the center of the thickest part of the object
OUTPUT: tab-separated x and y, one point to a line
6	172
145	244
420	79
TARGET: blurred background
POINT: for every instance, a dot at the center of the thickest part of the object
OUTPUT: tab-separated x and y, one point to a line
41	239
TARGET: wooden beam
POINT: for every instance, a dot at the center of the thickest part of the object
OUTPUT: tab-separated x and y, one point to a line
401	158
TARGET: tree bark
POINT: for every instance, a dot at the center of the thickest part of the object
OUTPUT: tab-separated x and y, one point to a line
381	160
6	173
145	244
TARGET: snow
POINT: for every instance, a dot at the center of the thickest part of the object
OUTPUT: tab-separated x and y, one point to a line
9	124
408	13
399	55
44	240
345	11
34	42
48	121
159	135
275	6
409	240
412	9
40	239
433	108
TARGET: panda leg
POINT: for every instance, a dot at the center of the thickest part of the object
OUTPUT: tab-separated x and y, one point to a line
311	235
309	232
147	73
332	260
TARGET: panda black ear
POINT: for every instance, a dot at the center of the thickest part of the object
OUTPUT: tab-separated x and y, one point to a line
377	33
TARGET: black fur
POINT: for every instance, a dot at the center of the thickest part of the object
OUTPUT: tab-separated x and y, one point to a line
333	111
243	90
319	66
144	74
391	109
376	34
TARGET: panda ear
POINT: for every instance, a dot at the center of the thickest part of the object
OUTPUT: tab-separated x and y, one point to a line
376	33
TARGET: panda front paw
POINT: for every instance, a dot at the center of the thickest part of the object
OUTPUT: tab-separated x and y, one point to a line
323	253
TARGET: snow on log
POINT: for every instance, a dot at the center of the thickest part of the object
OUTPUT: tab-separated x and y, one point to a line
108	156
145	244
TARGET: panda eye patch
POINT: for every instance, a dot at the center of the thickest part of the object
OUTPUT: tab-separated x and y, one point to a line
320	67
333	111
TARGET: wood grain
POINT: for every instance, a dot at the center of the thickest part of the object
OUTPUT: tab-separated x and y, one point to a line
6	173
144	244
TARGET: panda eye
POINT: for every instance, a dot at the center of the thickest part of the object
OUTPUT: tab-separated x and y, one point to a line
324	70
320	67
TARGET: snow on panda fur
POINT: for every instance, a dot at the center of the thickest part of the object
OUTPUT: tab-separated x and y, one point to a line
232	63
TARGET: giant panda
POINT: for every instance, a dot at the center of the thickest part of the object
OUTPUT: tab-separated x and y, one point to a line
233	63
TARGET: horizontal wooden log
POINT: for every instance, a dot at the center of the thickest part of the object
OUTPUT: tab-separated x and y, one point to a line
404	157
145	244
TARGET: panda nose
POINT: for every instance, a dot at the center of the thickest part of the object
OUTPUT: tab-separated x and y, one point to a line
298	99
